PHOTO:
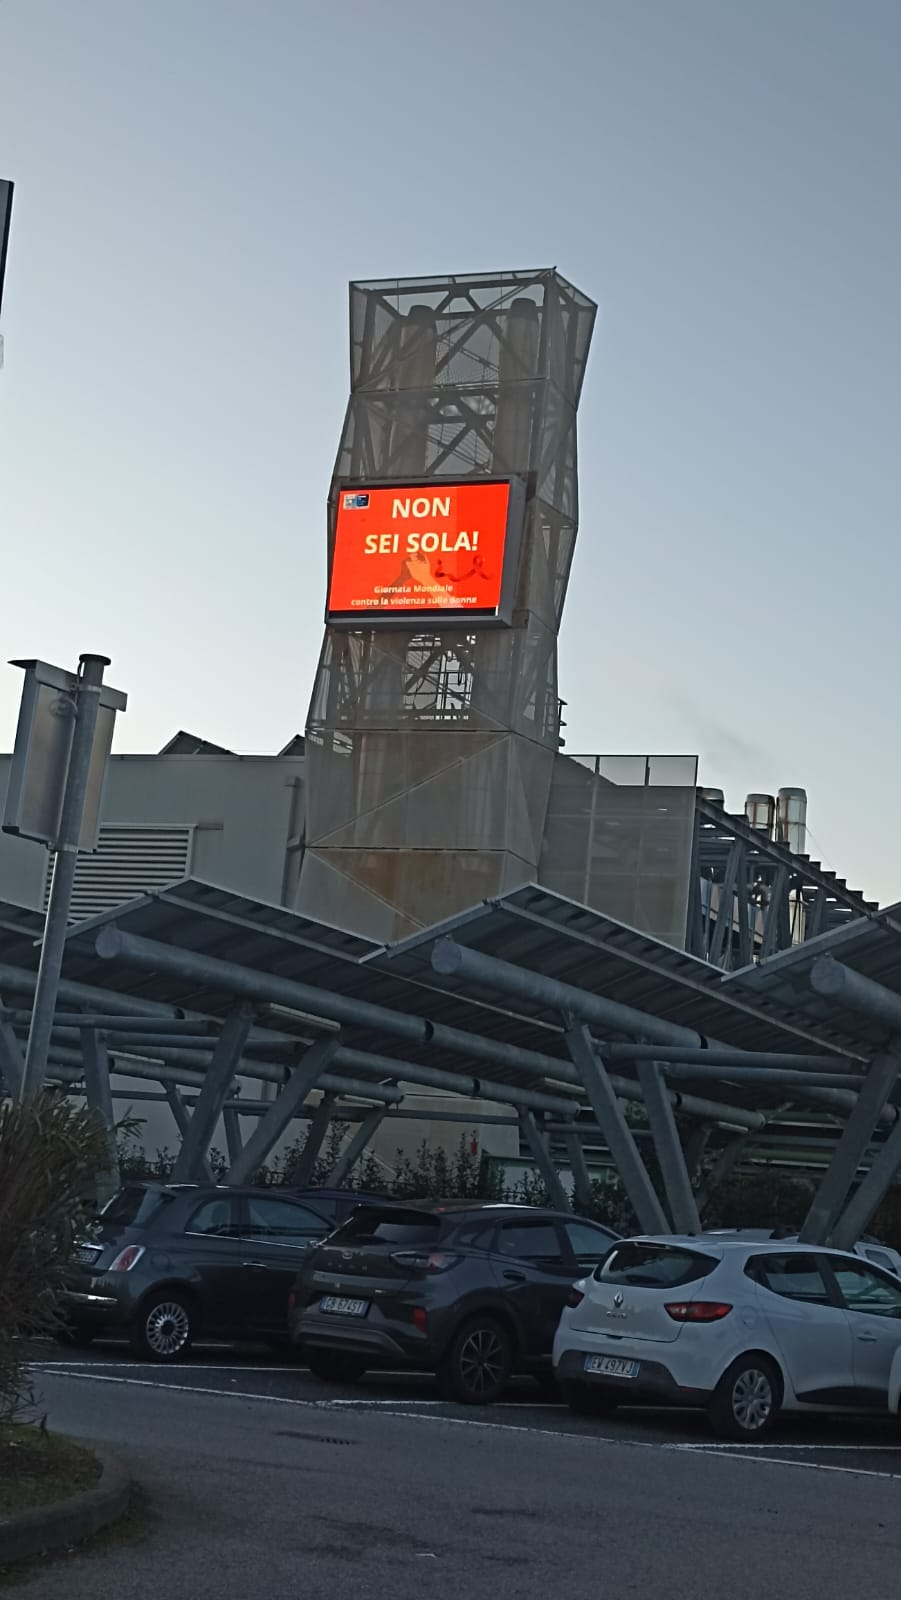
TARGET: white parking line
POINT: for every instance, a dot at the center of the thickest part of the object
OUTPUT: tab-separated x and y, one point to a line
736	1454
392	1408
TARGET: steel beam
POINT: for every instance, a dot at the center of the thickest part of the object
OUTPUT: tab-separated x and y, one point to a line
617	1133
308	1072
695	1147
216	1084
834	981
354	1148
852	1146
112	943
665	1135
459	961
182	1119
231	1122
302	1174
726	1161
723	928
579	1169
550	1177
869	1192
99	1097
728	1056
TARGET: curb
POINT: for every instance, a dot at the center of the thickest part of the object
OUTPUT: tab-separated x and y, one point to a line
67	1522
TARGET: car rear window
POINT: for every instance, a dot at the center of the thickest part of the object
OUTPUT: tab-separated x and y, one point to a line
134	1206
654	1266
388	1227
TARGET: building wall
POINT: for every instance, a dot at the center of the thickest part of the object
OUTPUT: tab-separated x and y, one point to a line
244	813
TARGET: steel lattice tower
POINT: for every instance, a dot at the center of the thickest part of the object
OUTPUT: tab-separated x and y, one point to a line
429	747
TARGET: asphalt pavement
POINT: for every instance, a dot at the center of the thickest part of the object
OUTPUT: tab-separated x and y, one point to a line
258	1481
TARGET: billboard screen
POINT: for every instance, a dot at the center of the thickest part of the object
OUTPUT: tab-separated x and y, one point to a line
406	550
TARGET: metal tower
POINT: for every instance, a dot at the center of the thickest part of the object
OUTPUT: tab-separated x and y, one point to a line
432	728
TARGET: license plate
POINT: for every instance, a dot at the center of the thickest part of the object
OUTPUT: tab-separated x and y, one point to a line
611	1367
339	1306
86	1254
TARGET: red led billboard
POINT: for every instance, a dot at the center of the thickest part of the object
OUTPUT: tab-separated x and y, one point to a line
405	550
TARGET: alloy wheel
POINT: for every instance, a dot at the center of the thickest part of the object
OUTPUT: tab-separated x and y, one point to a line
167	1328
482	1361
752	1399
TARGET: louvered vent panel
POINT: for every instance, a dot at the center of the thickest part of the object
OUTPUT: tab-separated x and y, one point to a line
128	862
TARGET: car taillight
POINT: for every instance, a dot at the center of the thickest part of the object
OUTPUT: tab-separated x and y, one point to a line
420	1319
697	1310
424	1260
127	1258
574	1298
292	1300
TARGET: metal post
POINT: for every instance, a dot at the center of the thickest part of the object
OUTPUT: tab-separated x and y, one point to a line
662	1122
232	1125
550	1177
355	1146
53	943
302	1174
183	1121
12	1065
99	1097
695	1146
308	1072
868	1194
616	1131
581	1176
214	1093
848	1153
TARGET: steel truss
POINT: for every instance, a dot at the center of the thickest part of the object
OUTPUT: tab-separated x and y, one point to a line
751	897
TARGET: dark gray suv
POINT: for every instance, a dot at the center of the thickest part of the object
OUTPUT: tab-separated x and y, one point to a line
471	1292
167	1262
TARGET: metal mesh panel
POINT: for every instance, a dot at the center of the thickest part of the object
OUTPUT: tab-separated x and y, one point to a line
451	378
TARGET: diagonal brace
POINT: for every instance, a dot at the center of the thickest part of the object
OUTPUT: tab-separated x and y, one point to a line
216	1085
550	1177
616	1131
272	1126
662	1122
355	1146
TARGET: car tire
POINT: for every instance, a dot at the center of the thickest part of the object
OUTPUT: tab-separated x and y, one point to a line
334	1366
587	1400
745	1403
476	1369
163	1327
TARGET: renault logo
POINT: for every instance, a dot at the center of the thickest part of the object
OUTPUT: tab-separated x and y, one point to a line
618	1298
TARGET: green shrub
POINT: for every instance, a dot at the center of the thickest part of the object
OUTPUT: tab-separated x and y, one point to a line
50	1156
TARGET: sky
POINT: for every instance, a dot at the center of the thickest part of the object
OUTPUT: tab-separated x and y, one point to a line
197	181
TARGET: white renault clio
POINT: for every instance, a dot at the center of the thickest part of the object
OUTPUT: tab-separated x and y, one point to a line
744	1329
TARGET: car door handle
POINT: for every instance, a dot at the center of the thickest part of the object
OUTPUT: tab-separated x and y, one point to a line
255	1266
868	1338
515	1277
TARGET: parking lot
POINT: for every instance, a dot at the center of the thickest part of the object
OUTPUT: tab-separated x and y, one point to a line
829	1445
256	1477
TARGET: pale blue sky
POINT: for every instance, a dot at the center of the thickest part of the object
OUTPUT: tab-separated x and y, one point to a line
197	181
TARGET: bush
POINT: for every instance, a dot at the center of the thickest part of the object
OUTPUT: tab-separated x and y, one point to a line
50	1156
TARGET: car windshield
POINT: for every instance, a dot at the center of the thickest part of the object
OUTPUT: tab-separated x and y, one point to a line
653	1266
134	1206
